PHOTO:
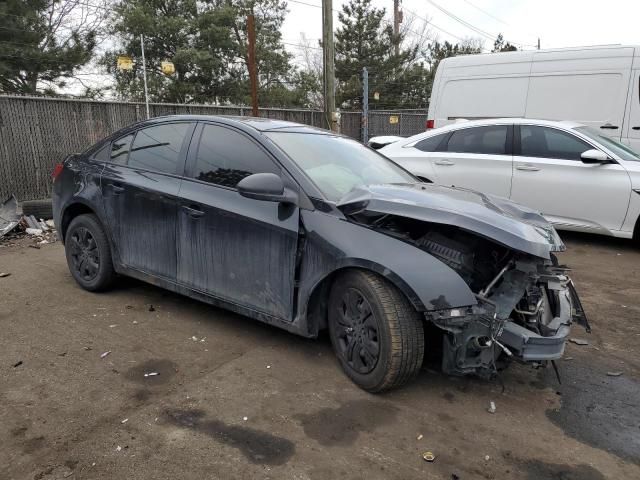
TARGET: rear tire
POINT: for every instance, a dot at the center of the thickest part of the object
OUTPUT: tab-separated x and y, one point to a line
89	254
376	333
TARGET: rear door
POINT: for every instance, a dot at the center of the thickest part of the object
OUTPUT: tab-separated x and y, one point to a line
140	186
550	177
478	158
632	134
235	248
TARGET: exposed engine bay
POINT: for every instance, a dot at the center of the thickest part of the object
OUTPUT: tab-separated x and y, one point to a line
525	304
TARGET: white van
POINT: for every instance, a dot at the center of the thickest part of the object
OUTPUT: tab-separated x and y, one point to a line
595	86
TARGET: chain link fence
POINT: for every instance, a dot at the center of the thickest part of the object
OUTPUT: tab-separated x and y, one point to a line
38	132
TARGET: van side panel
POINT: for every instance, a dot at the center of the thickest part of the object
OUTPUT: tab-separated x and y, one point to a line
480	86
588	86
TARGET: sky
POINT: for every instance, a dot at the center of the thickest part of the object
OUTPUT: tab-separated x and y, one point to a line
558	23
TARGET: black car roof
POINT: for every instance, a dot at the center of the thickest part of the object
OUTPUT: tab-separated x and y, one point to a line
257	123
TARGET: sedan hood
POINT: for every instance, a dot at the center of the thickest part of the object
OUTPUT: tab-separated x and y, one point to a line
494	218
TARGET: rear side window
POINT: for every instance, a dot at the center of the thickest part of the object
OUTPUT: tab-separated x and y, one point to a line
430	144
483	140
546	142
120	149
225	157
158	148
102	155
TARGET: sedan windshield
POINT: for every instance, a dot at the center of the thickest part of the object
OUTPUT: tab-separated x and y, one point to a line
337	164
619	148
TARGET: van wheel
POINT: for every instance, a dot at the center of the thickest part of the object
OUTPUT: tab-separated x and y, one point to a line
88	253
376	333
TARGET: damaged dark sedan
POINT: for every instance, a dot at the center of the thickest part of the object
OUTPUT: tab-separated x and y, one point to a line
308	230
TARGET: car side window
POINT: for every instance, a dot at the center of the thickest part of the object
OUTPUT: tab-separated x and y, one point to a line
120	149
158	148
226	156
102	155
490	140
546	142
430	144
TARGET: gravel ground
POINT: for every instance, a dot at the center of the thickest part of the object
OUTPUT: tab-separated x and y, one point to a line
237	399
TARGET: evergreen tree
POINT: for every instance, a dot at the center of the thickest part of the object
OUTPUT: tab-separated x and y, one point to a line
44	42
500	45
364	39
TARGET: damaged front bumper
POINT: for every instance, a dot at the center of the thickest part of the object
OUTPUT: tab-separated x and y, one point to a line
525	314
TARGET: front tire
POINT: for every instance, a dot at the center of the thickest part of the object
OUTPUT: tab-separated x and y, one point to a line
376	333
88	253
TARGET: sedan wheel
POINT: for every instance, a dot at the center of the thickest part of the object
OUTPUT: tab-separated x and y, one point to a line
88	253
376	333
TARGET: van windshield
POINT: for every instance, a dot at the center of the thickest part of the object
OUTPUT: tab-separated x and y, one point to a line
623	151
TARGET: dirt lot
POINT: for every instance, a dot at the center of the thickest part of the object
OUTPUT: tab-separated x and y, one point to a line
237	399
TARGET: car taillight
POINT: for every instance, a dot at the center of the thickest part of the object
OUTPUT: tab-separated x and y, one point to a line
431	124
57	171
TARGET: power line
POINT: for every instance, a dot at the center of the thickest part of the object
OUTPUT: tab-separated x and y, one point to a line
463	22
485	12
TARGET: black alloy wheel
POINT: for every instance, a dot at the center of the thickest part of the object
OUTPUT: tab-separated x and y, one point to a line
84	253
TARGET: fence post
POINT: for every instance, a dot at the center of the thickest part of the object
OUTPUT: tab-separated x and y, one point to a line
365	105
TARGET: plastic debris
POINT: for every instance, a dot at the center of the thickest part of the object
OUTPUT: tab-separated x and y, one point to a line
124	421
194	338
118	448
151	374
17	364
135	322
487	458
245	418
4	274
428	456
105	354
113	325
50	224
492	407
614	374
578	341
34	231
419	437
268	366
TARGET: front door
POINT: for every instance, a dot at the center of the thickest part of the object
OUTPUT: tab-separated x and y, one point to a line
234	248
140	187
550	177
632	137
478	158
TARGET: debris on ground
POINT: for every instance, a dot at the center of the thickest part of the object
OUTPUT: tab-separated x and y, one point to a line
245	418
151	309
14	226
87	348
614	374
492	407
419	437
105	354
9	217
568	358
124	421
15	365
428	456
151	374
578	341
4	275
487	458
118	448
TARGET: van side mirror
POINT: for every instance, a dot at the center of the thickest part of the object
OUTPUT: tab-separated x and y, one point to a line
595	156
268	187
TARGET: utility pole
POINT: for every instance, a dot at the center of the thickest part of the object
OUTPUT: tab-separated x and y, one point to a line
251	55
365	105
538	43
328	66
144	76
397	20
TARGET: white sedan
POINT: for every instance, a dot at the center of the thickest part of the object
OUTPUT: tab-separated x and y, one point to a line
577	177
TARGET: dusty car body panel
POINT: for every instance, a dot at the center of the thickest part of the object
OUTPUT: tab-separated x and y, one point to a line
498	219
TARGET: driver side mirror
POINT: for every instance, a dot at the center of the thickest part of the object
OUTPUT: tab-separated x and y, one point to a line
268	187
595	156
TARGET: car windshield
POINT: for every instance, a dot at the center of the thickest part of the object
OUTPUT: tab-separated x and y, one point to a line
337	164
617	147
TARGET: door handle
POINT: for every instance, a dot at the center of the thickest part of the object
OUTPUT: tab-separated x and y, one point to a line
193	212
608	126
444	163
528	168
635	128
117	189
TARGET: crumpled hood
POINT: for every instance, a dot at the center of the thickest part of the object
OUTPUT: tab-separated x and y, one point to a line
495	218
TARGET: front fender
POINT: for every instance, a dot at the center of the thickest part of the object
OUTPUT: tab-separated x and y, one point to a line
333	243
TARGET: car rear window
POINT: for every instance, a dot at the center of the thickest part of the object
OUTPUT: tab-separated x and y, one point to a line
431	144
120	149
491	140
158	148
